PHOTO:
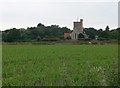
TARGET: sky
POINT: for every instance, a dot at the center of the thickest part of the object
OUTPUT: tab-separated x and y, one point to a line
28	13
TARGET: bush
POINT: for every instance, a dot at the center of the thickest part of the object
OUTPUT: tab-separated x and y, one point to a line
50	39
68	38
86	39
81	38
101	39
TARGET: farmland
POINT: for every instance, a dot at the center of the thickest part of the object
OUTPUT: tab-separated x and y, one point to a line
60	65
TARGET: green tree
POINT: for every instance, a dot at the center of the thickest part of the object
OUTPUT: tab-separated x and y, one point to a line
80	36
118	29
99	33
106	32
40	24
91	32
113	34
12	35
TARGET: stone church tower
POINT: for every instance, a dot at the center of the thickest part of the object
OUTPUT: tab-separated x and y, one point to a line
77	29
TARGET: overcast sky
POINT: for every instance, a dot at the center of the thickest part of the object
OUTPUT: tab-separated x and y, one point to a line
28	13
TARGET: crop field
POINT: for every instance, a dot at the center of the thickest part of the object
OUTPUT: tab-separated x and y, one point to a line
60	65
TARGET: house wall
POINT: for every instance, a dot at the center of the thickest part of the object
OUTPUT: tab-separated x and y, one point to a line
66	35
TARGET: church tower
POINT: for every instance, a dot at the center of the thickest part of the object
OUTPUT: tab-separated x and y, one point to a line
77	29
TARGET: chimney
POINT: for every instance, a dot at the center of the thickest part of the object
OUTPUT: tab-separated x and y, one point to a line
81	20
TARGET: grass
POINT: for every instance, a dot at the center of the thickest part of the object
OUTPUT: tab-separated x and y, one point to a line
60	65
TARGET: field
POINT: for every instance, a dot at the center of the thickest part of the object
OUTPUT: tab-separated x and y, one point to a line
60	65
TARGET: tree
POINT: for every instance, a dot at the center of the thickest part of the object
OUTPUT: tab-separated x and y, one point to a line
91	32
118	29
40	24
34	33
113	34
107	28
11	35
99	33
106	32
54	32
80	36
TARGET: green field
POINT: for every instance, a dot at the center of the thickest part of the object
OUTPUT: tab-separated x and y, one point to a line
60	65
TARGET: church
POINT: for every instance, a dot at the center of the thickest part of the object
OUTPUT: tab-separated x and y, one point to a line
77	29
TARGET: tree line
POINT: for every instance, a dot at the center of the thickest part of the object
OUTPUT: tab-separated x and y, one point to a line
101	34
53	33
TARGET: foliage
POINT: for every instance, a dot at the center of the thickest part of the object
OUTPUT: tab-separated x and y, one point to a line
91	32
11	35
103	34
42	32
81	35
68	38
38	33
